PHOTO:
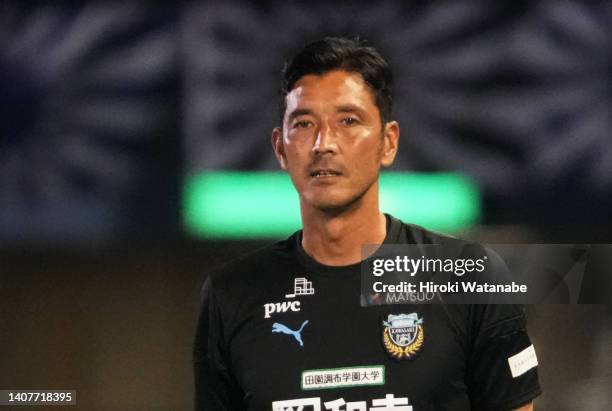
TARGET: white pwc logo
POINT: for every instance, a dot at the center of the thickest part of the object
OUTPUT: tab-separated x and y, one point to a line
301	286
271	308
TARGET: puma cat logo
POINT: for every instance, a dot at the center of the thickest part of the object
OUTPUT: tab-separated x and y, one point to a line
281	328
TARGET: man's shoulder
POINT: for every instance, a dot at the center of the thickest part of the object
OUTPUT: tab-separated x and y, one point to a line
416	234
254	265
420	235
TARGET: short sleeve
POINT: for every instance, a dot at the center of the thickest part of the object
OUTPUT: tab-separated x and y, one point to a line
215	387
502	369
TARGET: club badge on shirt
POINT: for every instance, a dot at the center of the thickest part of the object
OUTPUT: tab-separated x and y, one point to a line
403	335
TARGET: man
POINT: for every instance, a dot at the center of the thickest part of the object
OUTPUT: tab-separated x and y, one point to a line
283	328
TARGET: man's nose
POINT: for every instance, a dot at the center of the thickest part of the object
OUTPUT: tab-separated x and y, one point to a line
325	141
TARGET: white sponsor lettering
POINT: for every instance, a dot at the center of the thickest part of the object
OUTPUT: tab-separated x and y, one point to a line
301	286
337	405
343	377
271	308
523	361
313	404
389	403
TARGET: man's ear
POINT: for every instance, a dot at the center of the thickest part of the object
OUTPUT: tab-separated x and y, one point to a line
279	147
391	135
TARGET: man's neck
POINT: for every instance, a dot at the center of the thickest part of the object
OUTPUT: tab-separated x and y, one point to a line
337	239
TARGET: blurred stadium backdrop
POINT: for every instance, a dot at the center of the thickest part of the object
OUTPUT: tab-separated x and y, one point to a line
135	155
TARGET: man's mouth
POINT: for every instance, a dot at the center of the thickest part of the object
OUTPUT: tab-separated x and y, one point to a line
324	173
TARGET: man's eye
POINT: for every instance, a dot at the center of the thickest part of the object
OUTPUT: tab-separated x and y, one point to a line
350	121
301	124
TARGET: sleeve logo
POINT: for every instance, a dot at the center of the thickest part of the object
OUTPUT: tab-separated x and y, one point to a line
523	361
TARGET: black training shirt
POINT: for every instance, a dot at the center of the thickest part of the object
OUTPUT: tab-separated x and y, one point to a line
279	331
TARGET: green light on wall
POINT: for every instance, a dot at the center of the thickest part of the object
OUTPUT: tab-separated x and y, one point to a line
235	205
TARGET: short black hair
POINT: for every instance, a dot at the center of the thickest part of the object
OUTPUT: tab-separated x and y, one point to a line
340	53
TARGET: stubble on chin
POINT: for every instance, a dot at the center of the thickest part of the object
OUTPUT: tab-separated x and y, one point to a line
338	203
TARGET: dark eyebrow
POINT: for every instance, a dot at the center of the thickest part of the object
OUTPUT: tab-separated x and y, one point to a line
349	108
345	108
299	112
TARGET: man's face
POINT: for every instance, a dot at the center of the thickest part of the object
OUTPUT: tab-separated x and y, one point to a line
332	141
